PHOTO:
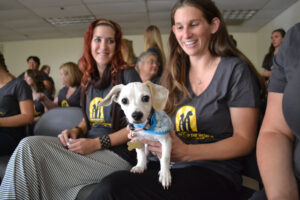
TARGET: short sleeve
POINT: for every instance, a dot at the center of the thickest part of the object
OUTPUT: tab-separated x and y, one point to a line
23	91
243	87
286	61
277	80
131	75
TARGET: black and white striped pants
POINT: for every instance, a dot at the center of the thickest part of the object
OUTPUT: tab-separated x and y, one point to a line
41	168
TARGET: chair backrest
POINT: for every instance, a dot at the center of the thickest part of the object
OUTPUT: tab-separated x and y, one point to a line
58	119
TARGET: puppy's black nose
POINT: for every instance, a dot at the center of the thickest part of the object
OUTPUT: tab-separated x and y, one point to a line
137	116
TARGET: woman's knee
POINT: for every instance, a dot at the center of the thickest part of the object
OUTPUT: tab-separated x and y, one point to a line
30	141
34	144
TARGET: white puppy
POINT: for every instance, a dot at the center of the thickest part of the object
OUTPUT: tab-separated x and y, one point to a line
143	105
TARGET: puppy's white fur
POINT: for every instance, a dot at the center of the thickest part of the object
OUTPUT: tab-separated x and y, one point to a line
131	98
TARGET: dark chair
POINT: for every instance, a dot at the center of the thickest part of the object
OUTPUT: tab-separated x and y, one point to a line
251	178
58	119
3	163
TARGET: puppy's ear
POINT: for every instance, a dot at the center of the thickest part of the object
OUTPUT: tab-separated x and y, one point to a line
112	95
159	95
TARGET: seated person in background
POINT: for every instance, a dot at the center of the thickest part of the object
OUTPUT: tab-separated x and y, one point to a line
34	64
46	69
57	168
153	42
148	67
277	38
278	145
69	95
34	79
128	52
210	81
16	109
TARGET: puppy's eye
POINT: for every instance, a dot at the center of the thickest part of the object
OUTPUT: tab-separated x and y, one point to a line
124	101
145	98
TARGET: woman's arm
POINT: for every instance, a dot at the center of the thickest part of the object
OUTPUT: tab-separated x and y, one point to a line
274	152
244	121
26	116
90	145
266	74
47	102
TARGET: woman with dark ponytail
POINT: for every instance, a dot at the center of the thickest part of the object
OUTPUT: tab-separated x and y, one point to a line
277	38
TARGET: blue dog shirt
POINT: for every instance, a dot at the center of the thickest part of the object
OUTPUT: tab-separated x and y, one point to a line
161	124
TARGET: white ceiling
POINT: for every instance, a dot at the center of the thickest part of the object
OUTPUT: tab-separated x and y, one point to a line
25	19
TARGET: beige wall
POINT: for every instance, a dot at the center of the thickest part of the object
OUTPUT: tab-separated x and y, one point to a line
54	52
246	43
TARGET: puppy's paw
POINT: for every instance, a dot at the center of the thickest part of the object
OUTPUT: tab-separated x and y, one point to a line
138	169
165	178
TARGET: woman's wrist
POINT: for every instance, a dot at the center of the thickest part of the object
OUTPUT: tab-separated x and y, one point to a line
97	144
187	154
105	142
80	132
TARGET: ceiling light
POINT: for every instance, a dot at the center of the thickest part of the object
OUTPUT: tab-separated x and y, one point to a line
70	20
237	17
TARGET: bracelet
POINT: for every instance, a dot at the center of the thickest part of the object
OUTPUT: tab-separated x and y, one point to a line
105	142
80	133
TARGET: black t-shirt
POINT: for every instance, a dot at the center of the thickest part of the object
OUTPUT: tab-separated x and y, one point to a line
38	106
285	79
268	65
72	101
206	118
100	117
11	95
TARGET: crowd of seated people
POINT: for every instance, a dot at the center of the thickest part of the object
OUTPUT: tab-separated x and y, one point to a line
210	81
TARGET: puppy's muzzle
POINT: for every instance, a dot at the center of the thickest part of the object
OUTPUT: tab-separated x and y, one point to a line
137	116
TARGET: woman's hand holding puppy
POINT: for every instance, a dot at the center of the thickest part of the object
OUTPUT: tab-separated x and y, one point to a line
179	148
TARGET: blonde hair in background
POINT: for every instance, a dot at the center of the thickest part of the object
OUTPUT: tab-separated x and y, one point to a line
152	38
71	69
127	51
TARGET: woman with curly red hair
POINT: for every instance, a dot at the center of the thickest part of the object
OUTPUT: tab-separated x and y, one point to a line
51	168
